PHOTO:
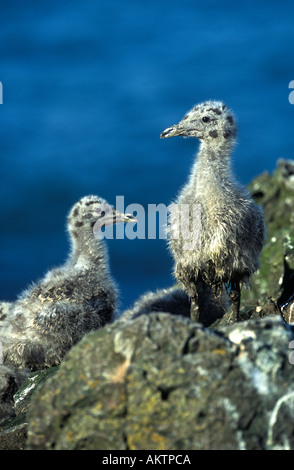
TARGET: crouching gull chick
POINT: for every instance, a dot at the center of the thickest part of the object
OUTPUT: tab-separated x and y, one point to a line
55	313
225	231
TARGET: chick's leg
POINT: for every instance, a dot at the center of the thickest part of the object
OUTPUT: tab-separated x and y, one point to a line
235	297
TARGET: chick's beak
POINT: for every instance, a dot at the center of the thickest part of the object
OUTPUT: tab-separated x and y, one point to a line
120	217
181	129
108	215
172	131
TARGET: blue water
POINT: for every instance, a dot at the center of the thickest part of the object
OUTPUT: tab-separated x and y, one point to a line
87	88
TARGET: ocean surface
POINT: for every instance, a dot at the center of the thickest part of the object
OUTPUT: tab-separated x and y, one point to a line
89	85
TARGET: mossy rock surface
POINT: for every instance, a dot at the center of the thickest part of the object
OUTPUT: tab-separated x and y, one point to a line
13	432
276	195
162	382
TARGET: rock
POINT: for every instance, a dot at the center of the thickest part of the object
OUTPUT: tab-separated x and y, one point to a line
276	194
23	396
10	381
14	438
13	432
162	382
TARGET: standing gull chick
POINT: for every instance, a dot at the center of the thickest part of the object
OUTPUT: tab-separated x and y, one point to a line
231	227
71	300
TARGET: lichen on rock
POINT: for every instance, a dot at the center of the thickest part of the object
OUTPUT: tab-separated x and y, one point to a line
177	386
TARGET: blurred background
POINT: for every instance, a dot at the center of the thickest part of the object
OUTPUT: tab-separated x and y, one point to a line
89	85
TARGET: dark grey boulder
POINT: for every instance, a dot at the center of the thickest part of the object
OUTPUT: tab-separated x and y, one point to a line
276	195
163	382
13	431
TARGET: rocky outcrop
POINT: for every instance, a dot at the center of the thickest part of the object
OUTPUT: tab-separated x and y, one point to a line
13	432
160	381
163	382
273	282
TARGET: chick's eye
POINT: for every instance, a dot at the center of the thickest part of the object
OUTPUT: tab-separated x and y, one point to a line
205	119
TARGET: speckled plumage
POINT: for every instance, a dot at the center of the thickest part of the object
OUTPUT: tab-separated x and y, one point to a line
5	308
231	225
55	313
